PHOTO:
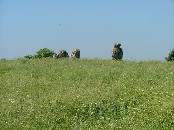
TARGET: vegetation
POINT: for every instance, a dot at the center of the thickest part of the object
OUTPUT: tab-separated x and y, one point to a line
170	56
65	94
42	53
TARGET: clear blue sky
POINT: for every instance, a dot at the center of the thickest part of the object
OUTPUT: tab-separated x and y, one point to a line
145	28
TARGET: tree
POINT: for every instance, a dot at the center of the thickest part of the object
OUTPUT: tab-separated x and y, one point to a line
45	52
42	53
170	56
29	56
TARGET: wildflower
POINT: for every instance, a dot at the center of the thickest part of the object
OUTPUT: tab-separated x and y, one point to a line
11	100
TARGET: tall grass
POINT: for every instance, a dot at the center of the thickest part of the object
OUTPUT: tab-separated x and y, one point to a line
86	94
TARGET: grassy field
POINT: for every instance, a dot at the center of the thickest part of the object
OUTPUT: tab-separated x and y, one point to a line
73	94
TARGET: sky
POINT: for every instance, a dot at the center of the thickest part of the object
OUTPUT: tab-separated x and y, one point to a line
145	28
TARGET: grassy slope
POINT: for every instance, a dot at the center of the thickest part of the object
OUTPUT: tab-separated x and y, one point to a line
86	94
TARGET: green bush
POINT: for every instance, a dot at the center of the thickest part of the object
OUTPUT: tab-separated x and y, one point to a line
45	52
42	53
29	56
170	56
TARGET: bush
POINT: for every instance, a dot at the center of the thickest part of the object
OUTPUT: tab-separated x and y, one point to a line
170	56
45	52
28	56
42	53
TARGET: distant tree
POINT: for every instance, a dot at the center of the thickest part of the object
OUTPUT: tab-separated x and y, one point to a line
29	56
170	56
43	53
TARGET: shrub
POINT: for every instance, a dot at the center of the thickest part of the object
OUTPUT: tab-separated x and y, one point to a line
42	53
170	56
28	56
45	52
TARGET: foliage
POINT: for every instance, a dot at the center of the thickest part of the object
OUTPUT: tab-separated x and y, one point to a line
29	56
42	53
45	52
86	94
170	56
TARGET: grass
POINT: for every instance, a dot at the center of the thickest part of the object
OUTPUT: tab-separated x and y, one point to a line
66	94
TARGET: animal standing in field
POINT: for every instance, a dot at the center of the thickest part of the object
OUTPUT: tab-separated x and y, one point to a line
75	53
61	54
117	52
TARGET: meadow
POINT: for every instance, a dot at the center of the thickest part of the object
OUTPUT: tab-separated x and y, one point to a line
86	94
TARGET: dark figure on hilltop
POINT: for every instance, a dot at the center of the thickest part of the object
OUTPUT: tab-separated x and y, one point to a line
75	53
117	52
61	54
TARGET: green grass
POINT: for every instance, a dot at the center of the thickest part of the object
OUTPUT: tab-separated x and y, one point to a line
67	94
